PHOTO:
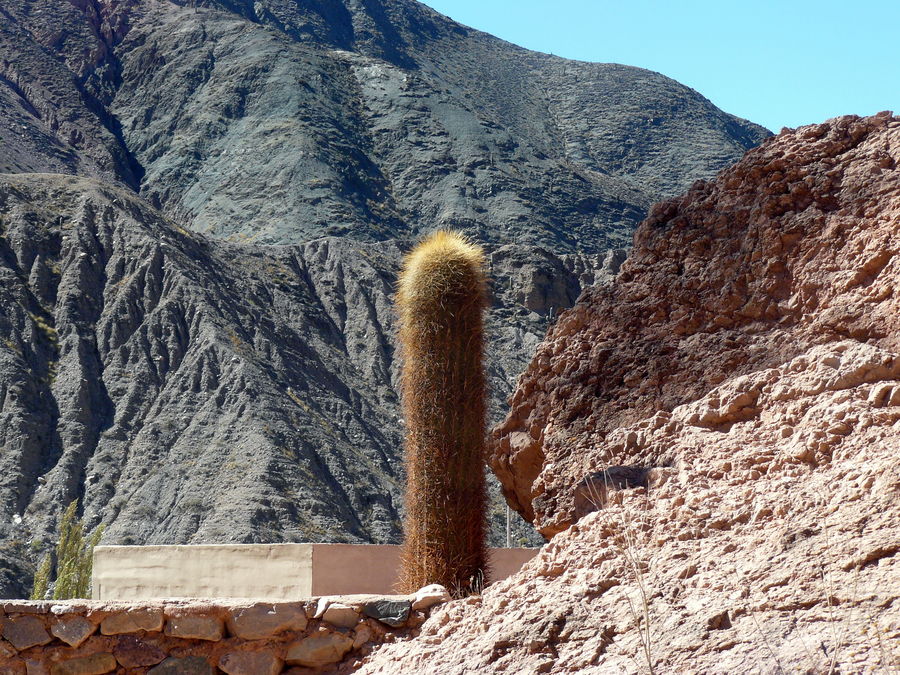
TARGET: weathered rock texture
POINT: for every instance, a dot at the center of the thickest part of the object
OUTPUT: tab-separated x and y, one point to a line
795	246
187	637
725	421
280	121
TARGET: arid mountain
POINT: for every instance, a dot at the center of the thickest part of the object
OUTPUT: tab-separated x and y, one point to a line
280	121
712	439
143	364
196	326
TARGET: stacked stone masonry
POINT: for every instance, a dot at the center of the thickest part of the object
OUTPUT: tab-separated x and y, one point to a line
193	637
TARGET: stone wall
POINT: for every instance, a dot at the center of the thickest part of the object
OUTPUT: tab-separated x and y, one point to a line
193	637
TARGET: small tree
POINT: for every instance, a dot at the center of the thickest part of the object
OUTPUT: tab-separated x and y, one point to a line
42	578
74	560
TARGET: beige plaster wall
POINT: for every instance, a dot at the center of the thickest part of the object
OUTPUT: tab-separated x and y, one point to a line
505	562
340	569
260	571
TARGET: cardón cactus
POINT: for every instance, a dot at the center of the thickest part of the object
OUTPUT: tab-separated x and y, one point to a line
441	300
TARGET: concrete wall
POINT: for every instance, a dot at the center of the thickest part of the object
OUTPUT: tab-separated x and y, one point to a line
341	569
260	571
507	561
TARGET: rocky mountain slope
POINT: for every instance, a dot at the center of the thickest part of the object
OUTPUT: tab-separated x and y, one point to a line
204	299
280	121
791	248
713	438
142	364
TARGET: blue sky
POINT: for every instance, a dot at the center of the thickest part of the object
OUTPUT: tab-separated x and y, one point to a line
780	64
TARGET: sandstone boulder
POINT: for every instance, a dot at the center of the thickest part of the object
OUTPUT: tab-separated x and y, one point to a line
73	630
429	596
183	665
251	663
264	620
132	620
196	627
318	650
95	664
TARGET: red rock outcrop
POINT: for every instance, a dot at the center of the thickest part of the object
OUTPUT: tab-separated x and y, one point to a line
796	245
725	421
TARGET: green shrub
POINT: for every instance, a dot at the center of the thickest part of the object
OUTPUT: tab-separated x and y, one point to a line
74	560
42	578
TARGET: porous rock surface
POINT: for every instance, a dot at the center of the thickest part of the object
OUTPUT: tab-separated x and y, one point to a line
794	246
715	439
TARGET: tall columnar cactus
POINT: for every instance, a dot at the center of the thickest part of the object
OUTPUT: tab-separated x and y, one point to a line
441	300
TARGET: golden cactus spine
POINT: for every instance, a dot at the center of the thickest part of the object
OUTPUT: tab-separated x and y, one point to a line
441	300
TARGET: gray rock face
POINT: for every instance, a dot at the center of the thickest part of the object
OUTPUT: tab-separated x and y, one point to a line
390	612
197	391
140	360
196	335
282	121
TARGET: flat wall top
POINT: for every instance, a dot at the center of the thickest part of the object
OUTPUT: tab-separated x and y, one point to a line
213	547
